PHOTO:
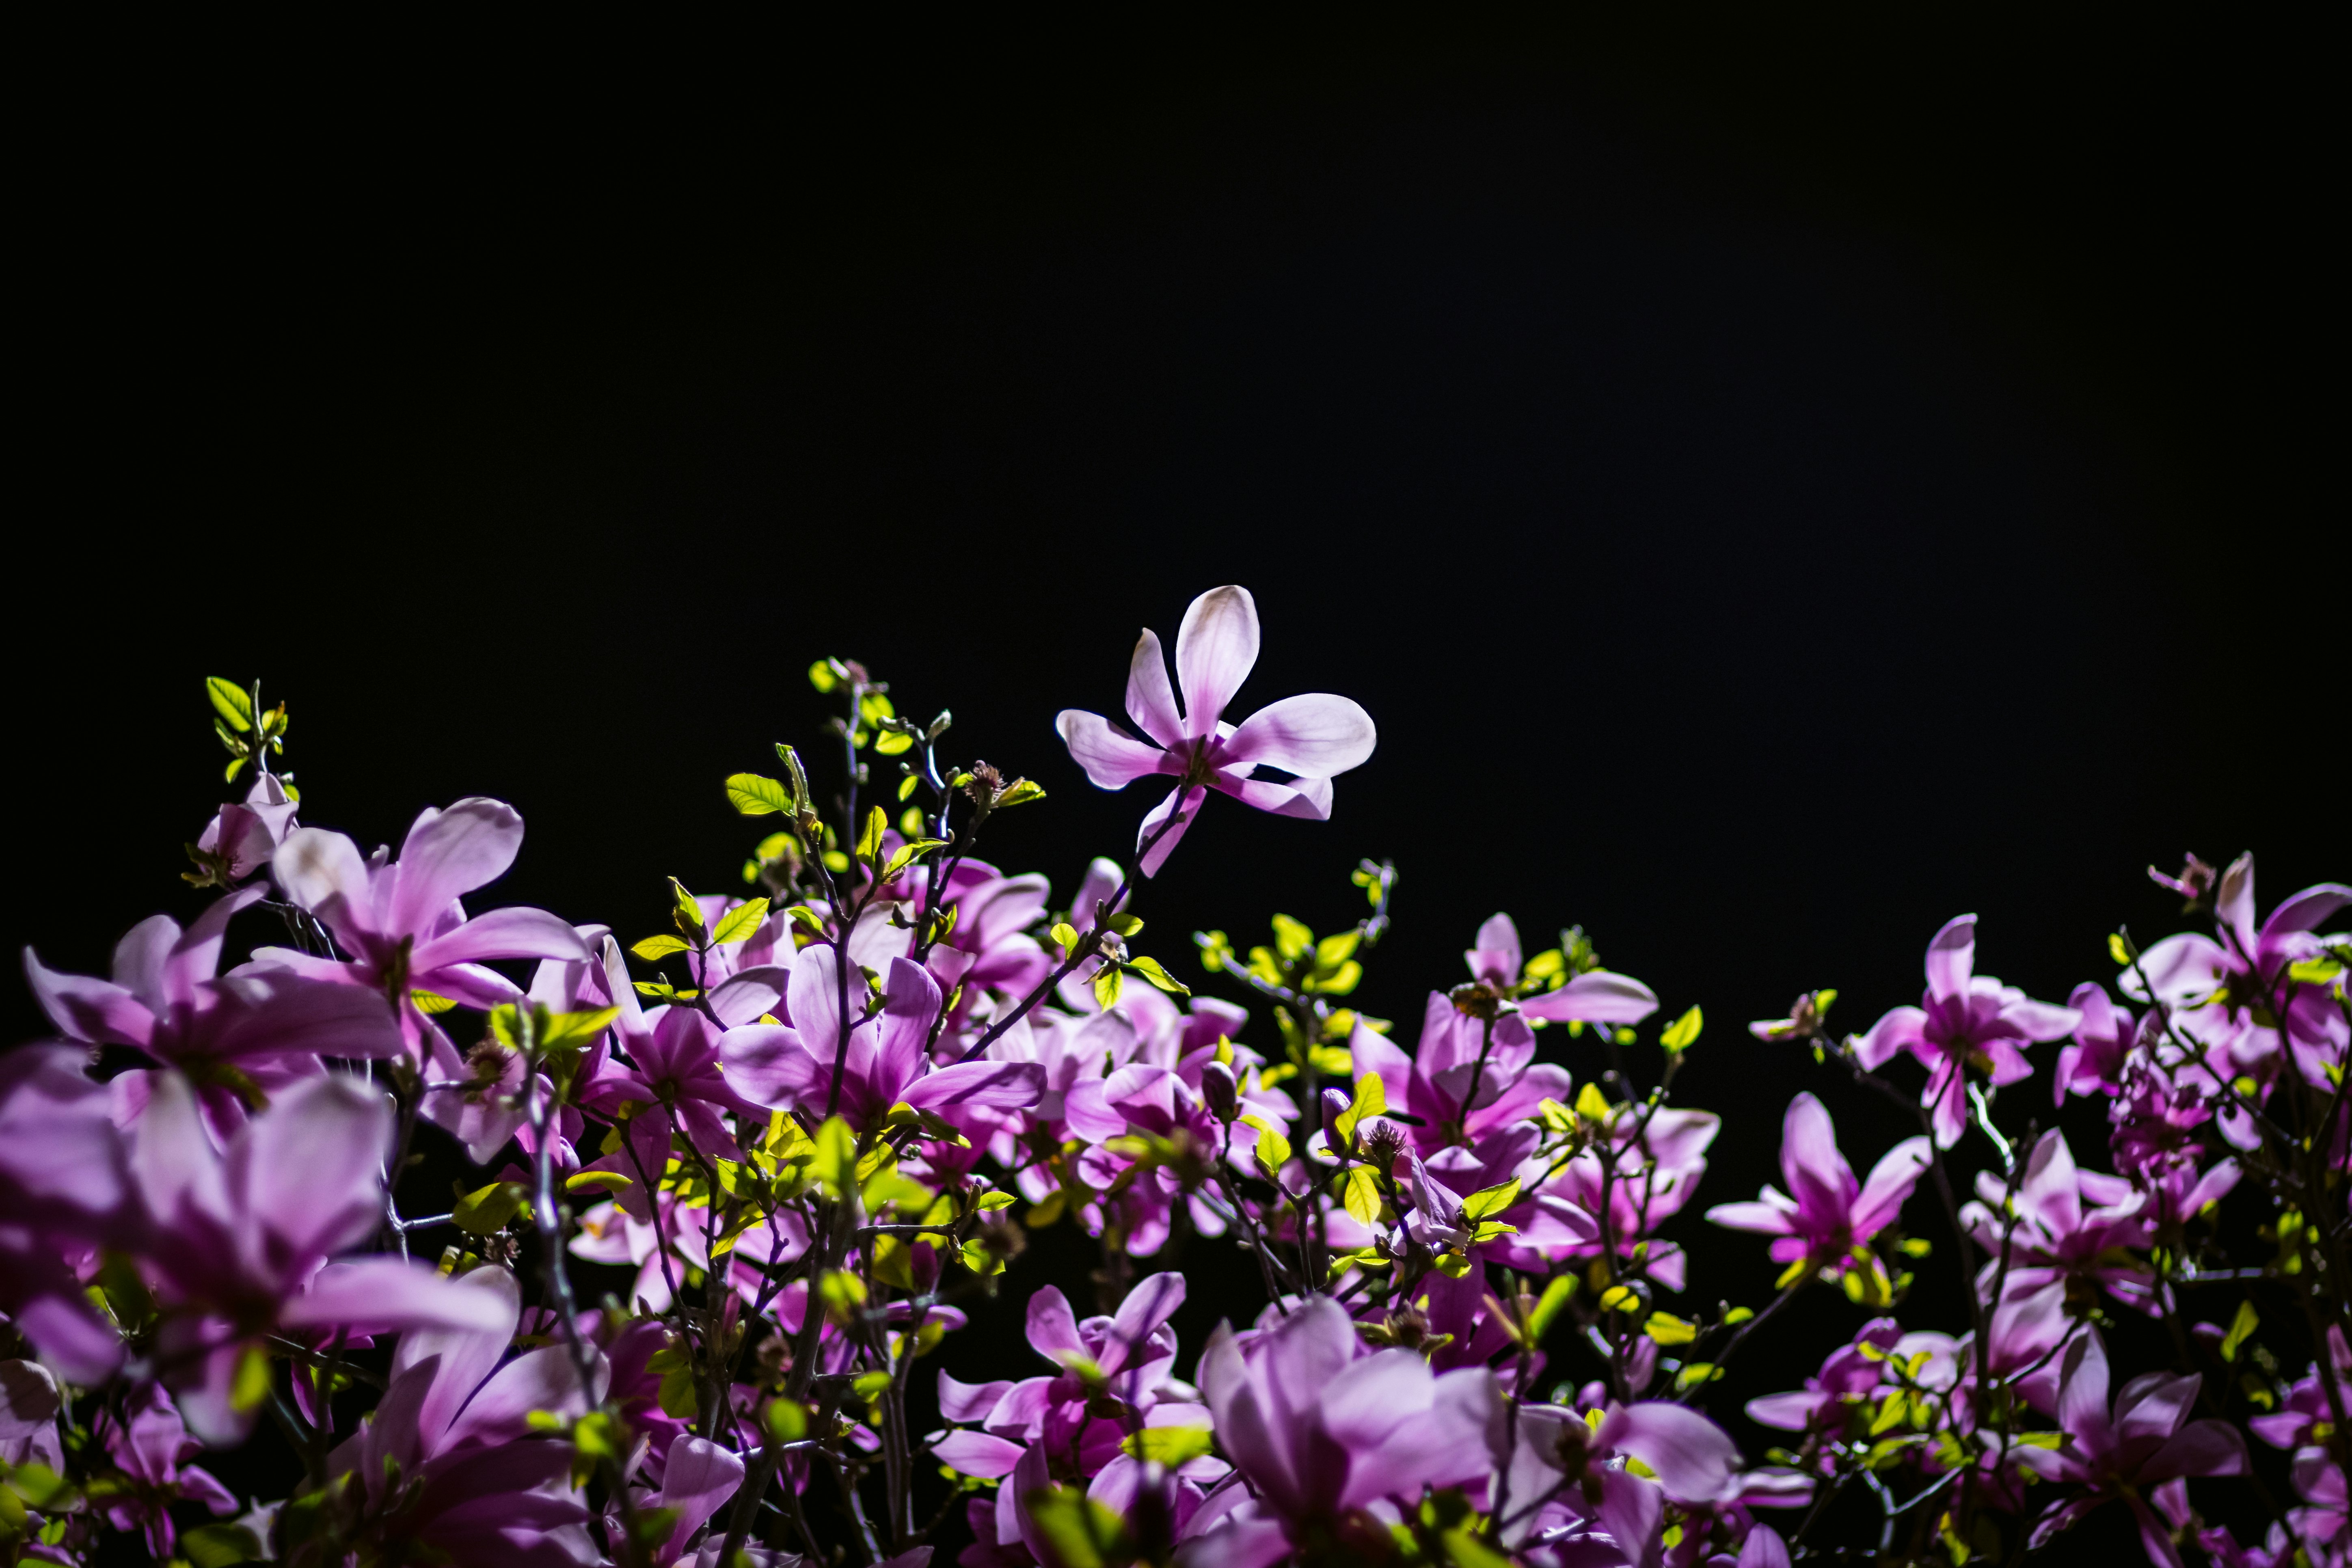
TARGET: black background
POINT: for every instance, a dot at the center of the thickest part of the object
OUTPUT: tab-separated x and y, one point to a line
1777	482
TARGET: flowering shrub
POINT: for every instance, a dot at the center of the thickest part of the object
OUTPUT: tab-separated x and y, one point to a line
809	1125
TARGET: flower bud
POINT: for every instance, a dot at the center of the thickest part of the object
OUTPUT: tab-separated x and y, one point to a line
1219	1090
1335	1106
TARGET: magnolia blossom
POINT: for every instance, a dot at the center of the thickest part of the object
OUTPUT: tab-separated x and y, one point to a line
2140	1443
152	1448
1965	1020
1322	1428
1313	738
881	1062
1830	1215
402	921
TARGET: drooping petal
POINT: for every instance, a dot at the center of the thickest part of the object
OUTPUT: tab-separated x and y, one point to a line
1890	1183
1149	700
386	1295
1695	1461
448	854
1902	1029
1053	1328
1307	799
462	1358
1004	1085
1597	997
502	933
969	1401
83	1008
699	1476
1111	760
1164	844
1314	735
1216	647
977	1454
2206	1447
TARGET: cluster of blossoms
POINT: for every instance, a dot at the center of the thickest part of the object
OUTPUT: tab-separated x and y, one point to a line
812	1126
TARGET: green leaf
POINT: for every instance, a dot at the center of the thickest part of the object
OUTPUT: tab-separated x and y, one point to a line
786	1420
236	766
1150	970
910	851
1291	939
562	1029
220	1545
890	742
428	1004
2119	950
1334	951
689	914
1167	1446
1465	1550
754	794
822	675
1683	1031
250	1384
2241	1328
230	701
599	1181
1109	979
834	1161
657	947
1021	792
1363	1196
869	840
1371	1099
1669	1329
1556	1296
738	923
1273	1149
485	1211
1079	1532
1487	1202
2315	971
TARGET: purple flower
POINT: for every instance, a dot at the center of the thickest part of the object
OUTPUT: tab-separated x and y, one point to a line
1965	1020
239	1237
790	1066
256	1030
1846	1383
1595	996
1830	1215
1554	1451
65	1185
450	1462
1127	1360
2072	1226
150	1450
1321	1428
241	838
2229	993
1314	738
2120	1453
2093	1063
402	921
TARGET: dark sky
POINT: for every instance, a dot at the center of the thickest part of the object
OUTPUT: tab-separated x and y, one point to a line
1776	486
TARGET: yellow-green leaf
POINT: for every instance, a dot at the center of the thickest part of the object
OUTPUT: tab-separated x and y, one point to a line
230	701
755	795
1371	1099
738	923
1167	1446
428	1002
250	1386
1683	1031
689	914
2241	1328
1150	970
869	838
834	1160
1488	1202
822	675
601	1181
1272	1148
1669	1329
657	947
1549	1304
487	1210
1021	792
1108	981
1363	1199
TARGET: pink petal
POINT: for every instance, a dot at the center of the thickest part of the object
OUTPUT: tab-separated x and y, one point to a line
1053	1329
767	1065
308	1172
1165	844
463	1358
1599	997
698	1476
969	1401
323	871
448	854
1693	1460
1149	701
1890	1183
1316	735
2233	901
1216	647
1902	1029
1112	761
977	1454
1005	1086
1952	957
386	1295
1308	799
502	933
1151	1303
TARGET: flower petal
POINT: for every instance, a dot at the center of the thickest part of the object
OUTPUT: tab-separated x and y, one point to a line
448	854
1598	998
1216	647
1150	702
1164	844
1952	957
1112	761
1314	735
977	1454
